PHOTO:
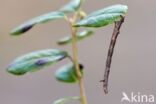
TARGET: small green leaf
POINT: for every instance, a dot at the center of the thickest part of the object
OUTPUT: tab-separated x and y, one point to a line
68	74
64	100
79	36
41	19
73	6
103	17
82	14
35	61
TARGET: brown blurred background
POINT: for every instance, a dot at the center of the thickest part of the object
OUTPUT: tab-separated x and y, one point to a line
134	60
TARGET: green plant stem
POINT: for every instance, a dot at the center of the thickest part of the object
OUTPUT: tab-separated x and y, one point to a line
75	59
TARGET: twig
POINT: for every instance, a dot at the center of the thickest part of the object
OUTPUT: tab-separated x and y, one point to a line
110	52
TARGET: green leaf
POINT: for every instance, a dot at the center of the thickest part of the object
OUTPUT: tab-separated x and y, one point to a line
99	21
64	100
111	9
35	61
82	14
73	6
79	36
41	19
68	74
103	17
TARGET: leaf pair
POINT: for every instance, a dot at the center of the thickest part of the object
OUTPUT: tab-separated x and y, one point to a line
73	6
96	19
103	17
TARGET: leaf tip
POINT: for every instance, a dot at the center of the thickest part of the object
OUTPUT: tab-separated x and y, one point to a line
21	30
125	7
14	72
14	33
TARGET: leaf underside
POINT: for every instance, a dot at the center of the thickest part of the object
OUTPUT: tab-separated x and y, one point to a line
68	74
35	61
79	36
103	17
41	19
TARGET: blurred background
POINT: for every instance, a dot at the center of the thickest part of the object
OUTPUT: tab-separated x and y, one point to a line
133	66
